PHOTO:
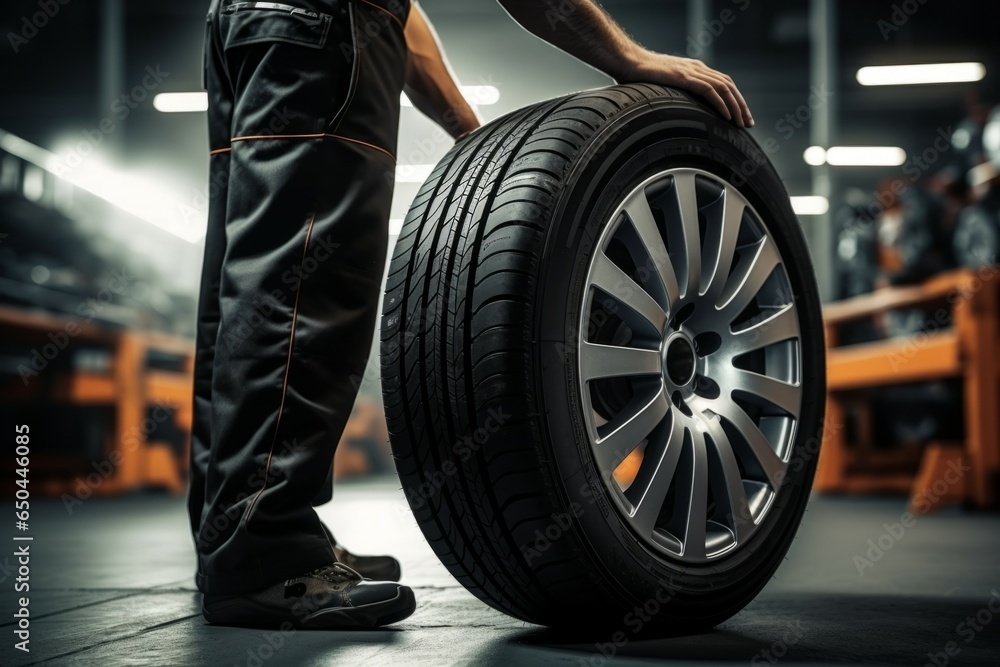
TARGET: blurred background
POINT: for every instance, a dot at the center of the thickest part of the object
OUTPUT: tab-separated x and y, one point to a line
879	116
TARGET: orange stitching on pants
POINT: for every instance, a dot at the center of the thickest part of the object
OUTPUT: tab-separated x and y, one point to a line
363	143
311	136
277	136
284	384
220	150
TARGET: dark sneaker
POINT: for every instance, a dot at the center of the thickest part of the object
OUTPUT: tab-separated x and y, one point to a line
332	597
379	568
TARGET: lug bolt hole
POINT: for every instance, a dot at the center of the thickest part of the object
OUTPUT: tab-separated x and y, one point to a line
682	315
706	387
679	403
707	343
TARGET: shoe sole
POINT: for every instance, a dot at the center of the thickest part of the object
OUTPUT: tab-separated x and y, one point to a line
240	612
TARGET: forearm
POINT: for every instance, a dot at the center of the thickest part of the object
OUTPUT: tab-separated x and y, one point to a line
430	83
581	29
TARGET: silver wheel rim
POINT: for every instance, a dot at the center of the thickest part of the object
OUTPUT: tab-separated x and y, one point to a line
690	364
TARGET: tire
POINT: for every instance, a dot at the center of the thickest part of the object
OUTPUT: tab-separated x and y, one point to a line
496	405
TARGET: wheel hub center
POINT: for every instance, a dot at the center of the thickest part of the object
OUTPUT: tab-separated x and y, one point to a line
679	360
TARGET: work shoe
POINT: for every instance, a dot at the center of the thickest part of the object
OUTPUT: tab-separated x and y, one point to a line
332	597
379	568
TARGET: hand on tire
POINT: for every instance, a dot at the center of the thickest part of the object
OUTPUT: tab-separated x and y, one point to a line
718	89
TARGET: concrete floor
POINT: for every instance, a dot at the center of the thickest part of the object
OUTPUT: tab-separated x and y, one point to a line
111	584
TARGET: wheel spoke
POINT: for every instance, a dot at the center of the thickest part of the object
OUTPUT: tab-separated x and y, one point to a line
641	215
753	270
782	325
604	361
619	285
687	203
648	508
783	395
612	449
697	519
768	460
728	487
725	247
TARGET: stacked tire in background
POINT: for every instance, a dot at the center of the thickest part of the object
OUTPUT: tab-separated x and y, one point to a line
602	363
977	234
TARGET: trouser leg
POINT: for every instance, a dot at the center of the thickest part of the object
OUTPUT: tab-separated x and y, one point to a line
306	214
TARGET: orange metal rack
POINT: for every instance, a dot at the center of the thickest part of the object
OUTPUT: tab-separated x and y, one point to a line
967	349
128	386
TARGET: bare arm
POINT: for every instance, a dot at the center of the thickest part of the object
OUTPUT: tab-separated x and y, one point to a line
430	83
583	30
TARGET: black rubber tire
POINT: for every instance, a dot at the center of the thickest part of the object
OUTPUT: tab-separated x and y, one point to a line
478	377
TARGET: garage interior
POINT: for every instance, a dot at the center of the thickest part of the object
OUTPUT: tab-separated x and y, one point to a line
893	171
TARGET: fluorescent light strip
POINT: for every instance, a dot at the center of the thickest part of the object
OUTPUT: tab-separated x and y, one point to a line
117	189
197	102
477	96
181	102
865	156
810	205
908	75
855	156
28	151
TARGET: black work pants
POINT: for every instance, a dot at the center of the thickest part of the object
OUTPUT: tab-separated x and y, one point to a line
303	117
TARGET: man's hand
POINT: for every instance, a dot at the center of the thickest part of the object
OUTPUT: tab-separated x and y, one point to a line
717	88
583	30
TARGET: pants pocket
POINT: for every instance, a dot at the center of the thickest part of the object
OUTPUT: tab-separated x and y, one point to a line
286	65
259	22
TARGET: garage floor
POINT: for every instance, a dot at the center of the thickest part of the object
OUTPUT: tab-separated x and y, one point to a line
111	584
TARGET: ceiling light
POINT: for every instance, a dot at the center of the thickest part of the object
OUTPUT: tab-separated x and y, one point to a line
855	156
905	75
815	156
865	156
180	102
810	205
